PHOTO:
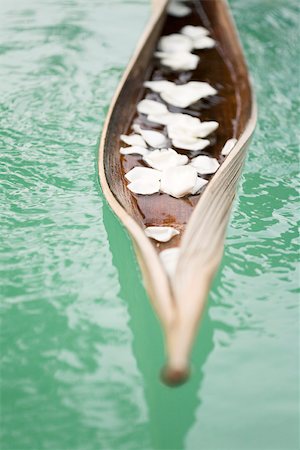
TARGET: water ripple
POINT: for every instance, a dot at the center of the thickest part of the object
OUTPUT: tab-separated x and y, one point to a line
80	346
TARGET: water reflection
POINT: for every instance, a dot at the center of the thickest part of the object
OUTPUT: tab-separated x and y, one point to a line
171	410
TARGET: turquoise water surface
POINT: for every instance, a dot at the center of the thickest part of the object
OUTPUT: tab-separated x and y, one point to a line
80	345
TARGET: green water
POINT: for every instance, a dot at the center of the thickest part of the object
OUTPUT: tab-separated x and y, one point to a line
80	346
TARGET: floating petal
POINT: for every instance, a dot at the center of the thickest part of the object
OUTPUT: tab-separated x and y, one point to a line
169	259
136	128
205	165
162	119
200	183
205	128
175	119
144	187
133	139
178	9
159	85
151	107
184	120
161	234
179	60
194	32
228	146
185	95
174	43
178	181
204	42
143	173
182	132
193	145
165	158
154	138
134	150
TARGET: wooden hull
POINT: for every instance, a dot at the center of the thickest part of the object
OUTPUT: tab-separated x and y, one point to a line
179	303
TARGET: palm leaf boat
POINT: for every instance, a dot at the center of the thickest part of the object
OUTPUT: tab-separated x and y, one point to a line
176	203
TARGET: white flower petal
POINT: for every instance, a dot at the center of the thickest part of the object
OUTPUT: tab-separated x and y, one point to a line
154	138
181	133
205	165
159	86
143	173
179	60
134	150
194	32
165	158
144	187
181	95
169	259
161	234
192	130
185	95
133	139
174	43
151	107
178	181
162	119
175	119
184	120
200	182
205	128
136	128
204	42
188	144
178	9
228	146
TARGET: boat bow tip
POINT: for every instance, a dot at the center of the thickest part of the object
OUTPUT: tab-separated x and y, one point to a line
174	376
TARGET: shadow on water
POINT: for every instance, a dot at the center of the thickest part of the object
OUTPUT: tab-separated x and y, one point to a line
171	410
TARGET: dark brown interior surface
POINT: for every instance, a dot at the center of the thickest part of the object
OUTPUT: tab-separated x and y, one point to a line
223	67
